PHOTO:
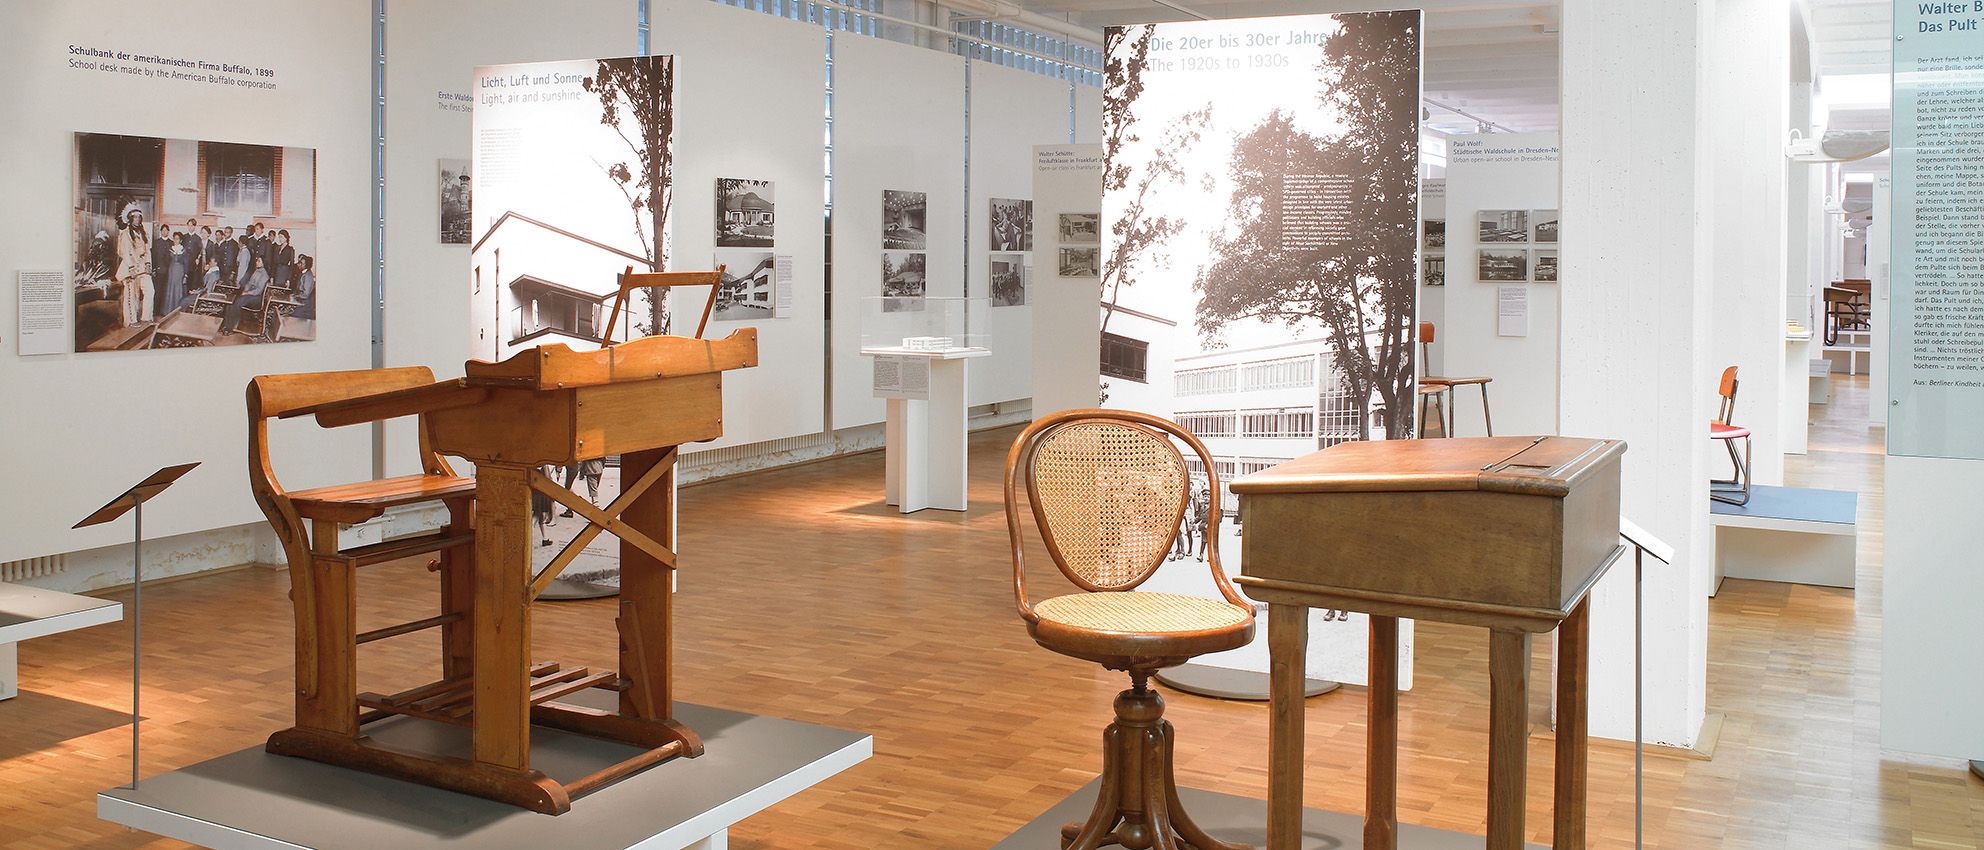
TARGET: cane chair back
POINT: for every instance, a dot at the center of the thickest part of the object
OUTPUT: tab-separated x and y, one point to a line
1108	497
1109	490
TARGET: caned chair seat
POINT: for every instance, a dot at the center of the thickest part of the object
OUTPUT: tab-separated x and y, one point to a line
1157	629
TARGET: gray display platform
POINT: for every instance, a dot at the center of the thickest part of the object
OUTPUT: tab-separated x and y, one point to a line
30	612
1242	819
1801	535
253	800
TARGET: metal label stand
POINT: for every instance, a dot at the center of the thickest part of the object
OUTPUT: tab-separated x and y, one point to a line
133	500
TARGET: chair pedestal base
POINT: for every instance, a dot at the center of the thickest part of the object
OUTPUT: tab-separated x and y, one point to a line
1136	805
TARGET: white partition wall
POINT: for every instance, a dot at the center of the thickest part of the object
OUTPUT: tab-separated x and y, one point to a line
1011	111
1501	174
1634	359
731	126
898	126
1067	314
81	427
432	50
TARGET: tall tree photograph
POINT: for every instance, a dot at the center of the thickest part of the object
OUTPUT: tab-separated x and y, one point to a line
637	100
1259	246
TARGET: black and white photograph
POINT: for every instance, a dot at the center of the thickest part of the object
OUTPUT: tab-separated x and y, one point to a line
1012	224
455	191
1081	228
1545	224
902	274
1502	226
1080	262
1543	268
1435	268
1504	265
1435	230
181	243
750	287
743	213
1007	274
904	219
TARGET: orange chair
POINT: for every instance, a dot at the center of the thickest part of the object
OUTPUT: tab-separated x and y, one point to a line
1442	389
1736	489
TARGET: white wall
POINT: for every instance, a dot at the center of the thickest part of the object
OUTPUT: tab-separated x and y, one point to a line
1932	641
1746	112
743	125
1499	171
1011	111
1067	314
1634	359
81	427
432	50
898	124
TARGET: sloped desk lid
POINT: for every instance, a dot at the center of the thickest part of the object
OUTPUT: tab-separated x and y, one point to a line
1534	466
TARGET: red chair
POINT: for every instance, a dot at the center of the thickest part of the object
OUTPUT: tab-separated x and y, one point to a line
1734	490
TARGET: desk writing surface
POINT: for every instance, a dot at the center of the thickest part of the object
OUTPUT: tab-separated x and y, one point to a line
1545	466
1521	524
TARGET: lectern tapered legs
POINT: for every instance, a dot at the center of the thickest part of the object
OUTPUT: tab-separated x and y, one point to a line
1573	683
1381	739
1288	647
1508	736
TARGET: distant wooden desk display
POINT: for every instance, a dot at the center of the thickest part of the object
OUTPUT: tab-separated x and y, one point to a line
1526	526
550	405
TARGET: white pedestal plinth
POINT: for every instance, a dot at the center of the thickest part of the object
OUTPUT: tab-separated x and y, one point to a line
924	434
251	800
29	612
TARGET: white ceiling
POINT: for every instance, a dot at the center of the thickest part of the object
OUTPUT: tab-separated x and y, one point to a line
1852	36
1496	61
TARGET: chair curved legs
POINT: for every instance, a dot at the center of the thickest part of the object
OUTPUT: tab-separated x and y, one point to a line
1136	804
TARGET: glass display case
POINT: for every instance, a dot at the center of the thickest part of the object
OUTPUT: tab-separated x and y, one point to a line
932	326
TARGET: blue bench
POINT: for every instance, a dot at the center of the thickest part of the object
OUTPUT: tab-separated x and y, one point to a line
1801	535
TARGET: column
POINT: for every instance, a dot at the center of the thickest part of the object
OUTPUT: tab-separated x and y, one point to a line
1634	358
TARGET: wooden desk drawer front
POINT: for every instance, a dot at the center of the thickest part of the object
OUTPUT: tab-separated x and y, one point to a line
530	427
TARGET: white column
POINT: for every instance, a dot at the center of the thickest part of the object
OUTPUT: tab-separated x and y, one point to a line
1803	207
1634	360
10	671
1748	89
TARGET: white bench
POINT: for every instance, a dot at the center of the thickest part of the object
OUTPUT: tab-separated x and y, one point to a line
1791	534
29	612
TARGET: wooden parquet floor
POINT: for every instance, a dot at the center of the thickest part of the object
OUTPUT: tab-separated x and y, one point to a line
803	597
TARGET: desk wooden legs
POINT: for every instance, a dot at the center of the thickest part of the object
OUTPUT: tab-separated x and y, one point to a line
1508	736
327	658
1573	683
1288	646
1381	738
501	618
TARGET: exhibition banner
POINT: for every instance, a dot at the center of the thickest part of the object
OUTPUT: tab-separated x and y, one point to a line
1936	384
574	167
1259	238
574	170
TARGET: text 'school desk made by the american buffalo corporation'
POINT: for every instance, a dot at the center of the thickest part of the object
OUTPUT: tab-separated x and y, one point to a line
1506	533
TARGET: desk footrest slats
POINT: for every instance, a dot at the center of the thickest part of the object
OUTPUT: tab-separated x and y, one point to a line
626	768
453	700
408	628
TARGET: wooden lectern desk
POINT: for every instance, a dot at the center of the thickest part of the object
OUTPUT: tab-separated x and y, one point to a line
1507	533
550	405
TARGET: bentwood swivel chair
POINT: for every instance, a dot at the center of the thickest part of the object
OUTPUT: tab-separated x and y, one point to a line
1108	489
1734	490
